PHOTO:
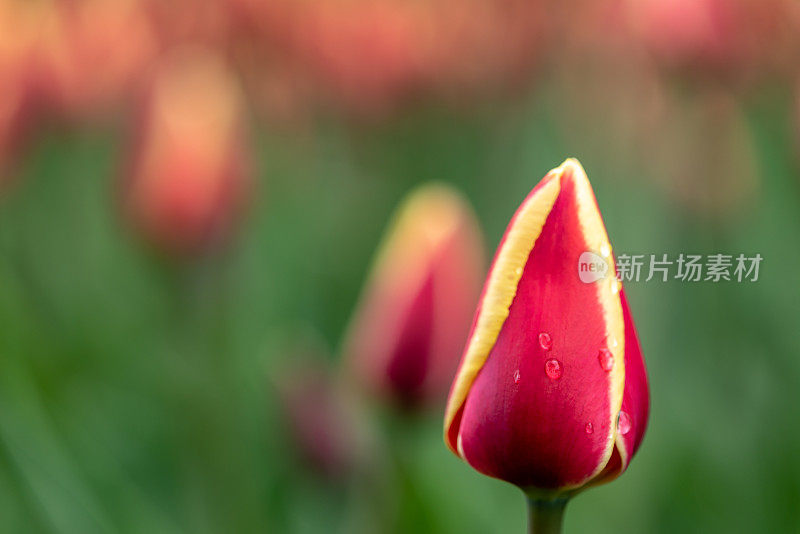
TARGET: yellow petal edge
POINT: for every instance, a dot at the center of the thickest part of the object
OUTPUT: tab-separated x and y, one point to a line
608	289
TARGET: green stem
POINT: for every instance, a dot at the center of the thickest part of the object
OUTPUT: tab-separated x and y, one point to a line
545	517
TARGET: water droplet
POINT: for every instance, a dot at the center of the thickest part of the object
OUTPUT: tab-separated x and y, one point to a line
589	428
614	286
545	341
518	270
614	342
605	250
516	376
624	423
553	369
606	359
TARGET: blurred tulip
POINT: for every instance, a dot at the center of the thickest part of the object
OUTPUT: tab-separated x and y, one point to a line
189	170
13	111
732	38
191	21
551	394
19	23
610	101
482	47
279	94
797	116
321	421
94	54
410	324
372	56
704	156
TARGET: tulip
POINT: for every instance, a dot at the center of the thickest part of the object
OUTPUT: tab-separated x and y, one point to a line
797	115
19	25
486	48
189	169
551	394
734	39
408	330
321	422
94	54
705	157
13	119
371	57
191	21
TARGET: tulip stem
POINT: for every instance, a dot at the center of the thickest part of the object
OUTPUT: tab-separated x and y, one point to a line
545	517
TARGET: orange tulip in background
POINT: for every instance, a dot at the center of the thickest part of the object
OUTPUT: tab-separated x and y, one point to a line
368	57
94	53
739	39
189	168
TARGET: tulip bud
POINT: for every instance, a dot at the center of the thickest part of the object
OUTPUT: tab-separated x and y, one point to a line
407	332
320	421
189	170
551	394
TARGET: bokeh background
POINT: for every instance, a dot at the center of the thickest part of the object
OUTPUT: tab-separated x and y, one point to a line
192	192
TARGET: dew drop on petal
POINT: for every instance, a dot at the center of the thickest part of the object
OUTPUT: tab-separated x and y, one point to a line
614	342
589	428
606	360
624	423
545	341
553	369
605	250
516	376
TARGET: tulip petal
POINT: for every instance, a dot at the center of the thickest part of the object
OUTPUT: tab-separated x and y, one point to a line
508	415
635	402
498	294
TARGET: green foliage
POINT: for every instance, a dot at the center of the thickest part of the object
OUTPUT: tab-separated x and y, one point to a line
135	393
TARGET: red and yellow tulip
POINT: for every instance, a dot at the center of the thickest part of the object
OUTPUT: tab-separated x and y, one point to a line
551	394
410	325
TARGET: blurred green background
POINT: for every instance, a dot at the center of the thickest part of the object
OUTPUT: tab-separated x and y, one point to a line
137	393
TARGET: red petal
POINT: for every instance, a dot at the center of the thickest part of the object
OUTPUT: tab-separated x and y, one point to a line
636	397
